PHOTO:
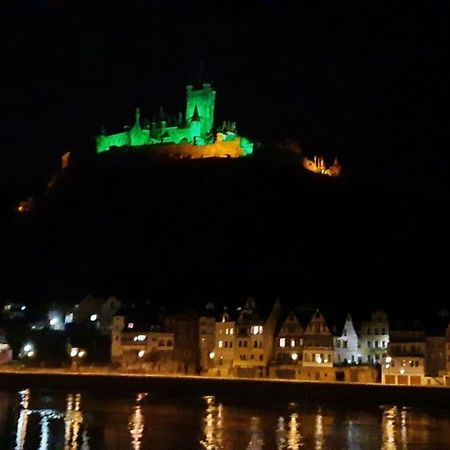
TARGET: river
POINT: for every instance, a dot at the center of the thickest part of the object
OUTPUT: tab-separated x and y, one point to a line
96	420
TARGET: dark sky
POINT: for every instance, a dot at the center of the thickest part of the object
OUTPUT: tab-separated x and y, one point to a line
365	80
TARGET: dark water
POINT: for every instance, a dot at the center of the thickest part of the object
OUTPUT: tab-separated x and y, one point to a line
38	419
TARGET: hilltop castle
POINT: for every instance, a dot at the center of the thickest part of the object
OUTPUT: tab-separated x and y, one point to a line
189	136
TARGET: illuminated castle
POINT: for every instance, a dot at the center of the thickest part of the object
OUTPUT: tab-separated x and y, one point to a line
188	136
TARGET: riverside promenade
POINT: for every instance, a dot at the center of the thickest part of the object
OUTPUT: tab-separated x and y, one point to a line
263	389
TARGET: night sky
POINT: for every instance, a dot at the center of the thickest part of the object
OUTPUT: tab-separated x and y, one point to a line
364	80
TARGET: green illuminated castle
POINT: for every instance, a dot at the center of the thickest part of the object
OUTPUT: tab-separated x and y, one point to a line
193	134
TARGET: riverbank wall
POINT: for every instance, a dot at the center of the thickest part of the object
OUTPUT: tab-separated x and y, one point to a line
264	389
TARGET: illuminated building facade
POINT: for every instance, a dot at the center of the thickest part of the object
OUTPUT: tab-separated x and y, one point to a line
222	356
289	342
374	338
193	133
147	347
405	360
318	343
347	346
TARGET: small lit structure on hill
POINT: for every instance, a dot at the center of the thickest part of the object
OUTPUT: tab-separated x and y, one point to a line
317	165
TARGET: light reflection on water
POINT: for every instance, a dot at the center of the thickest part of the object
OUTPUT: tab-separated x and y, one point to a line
93	421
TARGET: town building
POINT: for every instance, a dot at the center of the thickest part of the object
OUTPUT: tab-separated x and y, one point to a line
435	364
289	341
347	345
447	356
318	343
244	347
222	356
206	336
191	135
405	360
374	338
136	344
97	312
5	349
185	329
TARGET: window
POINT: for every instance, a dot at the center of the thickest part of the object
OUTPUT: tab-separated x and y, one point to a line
368	331
301	342
345	344
383	344
383	331
231	344
252	357
344	333
375	331
227	331
169	343
231	330
282	342
220	344
369	344
376	344
255	344
240	343
226	344
292	342
338	343
261	357
245	343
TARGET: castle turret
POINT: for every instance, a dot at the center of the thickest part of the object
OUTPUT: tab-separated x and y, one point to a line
204	100
137	137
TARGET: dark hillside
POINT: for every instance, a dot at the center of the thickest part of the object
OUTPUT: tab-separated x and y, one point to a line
191	231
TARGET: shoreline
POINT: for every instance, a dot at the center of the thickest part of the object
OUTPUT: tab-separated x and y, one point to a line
174	385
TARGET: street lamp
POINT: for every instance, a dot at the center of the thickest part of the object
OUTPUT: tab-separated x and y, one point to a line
77	354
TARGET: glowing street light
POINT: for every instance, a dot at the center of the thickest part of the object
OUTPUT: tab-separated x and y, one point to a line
294	356
212	355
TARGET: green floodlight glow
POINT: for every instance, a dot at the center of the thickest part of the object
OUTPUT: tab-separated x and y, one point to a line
196	128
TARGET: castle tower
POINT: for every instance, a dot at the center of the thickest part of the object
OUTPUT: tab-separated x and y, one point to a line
203	99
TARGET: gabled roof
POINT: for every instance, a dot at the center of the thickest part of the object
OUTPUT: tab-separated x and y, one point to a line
291	325
317	318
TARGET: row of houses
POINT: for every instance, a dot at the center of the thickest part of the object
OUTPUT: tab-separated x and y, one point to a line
302	346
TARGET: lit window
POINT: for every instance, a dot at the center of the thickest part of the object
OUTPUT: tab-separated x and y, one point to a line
227	331
260	329
140	338
282	342
255	329
220	344
231	330
292	342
